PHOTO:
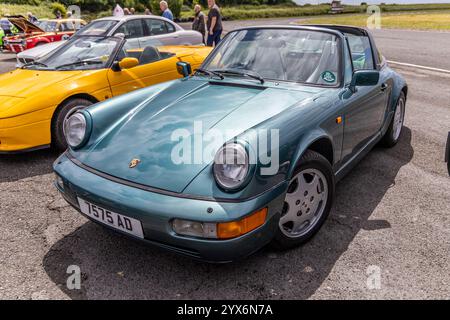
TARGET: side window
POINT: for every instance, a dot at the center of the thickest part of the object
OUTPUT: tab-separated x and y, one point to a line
156	27
66	26
348	67
131	29
170	28
361	52
145	55
78	25
380	58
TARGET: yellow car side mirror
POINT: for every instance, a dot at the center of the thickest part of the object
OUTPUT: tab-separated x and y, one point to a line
128	63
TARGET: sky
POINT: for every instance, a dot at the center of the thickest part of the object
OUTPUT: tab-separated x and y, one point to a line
373	1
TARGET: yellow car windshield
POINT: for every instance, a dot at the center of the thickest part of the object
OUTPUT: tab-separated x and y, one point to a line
80	53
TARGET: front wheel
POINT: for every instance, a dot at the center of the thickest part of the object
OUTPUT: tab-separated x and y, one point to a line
394	131
307	202
63	113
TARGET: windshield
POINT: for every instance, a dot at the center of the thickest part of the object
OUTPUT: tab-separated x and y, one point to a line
304	56
48	26
97	28
80	53
4	24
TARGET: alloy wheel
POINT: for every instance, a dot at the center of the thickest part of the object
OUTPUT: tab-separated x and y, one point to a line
305	203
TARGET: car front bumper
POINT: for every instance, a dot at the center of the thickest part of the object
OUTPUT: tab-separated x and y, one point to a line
14	46
25	132
156	212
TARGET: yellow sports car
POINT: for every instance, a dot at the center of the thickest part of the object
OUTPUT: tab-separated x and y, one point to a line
36	99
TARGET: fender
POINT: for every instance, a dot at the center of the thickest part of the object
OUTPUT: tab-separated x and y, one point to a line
36	41
304	143
398	85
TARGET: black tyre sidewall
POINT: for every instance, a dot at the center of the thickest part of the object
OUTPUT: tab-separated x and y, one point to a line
310	160
388	139
58	138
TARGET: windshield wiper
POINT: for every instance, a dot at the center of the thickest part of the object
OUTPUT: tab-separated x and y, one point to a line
250	74
35	63
210	73
79	63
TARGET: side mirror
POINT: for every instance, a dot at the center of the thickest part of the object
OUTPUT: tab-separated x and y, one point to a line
184	68
126	63
364	78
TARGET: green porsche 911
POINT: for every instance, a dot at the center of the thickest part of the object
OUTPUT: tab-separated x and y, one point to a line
243	152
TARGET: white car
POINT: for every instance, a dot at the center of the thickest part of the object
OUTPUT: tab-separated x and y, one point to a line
37	52
139	30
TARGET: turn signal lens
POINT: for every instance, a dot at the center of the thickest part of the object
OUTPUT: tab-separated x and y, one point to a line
235	229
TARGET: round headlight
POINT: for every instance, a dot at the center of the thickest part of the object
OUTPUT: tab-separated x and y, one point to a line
231	166
75	129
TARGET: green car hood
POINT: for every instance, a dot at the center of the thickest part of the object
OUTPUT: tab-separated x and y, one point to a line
147	133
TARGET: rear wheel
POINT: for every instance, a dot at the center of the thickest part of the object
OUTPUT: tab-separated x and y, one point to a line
394	131
63	113
307	203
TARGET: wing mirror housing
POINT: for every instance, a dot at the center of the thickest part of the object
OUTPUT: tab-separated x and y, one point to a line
184	68
364	78
125	63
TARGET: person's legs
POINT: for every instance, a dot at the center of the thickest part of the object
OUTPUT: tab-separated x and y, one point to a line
210	40
216	36
203	38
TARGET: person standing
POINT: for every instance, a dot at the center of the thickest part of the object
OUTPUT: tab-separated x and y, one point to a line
31	18
148	12
166	13
214	25
118	11
199	21
132	11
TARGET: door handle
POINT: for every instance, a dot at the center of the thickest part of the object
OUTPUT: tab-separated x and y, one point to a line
384	86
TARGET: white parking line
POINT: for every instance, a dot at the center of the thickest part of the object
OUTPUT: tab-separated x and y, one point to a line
418	66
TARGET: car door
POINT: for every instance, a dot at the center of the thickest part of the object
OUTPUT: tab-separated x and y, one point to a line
364	109
154	67
132	30
160	32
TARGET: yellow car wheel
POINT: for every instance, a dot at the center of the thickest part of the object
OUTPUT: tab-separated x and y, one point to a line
61	115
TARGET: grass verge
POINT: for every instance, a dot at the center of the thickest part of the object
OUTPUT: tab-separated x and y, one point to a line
438	20
41	11
242	12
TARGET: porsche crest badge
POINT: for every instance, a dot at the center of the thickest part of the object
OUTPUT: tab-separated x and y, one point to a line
134	163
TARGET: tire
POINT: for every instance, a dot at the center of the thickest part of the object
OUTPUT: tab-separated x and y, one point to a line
64	112
394	131
315	167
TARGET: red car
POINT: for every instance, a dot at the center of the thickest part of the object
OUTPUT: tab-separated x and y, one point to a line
48	31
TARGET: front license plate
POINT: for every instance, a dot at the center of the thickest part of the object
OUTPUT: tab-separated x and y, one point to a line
112	219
